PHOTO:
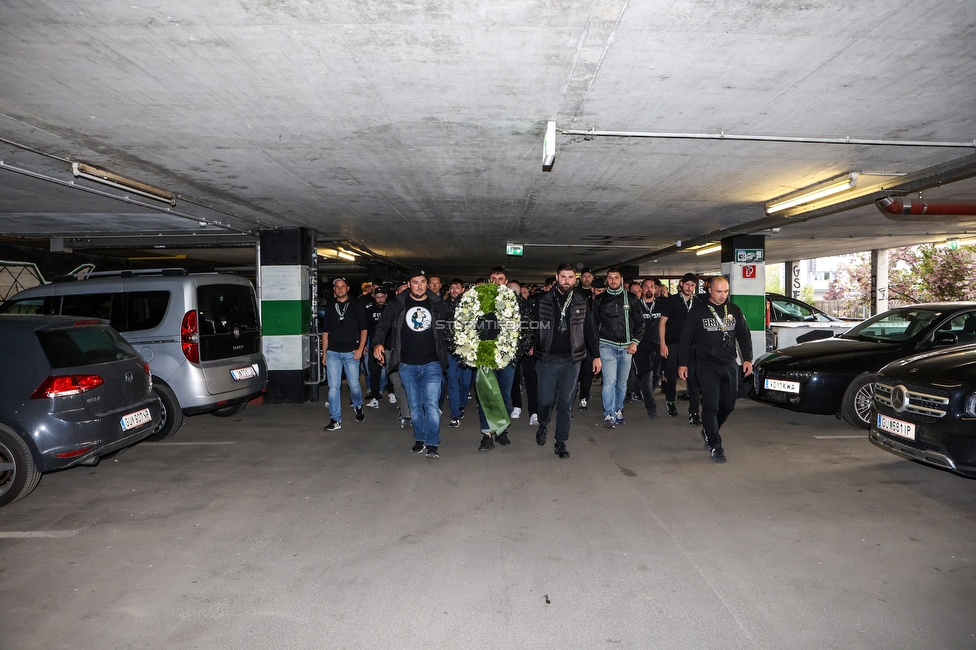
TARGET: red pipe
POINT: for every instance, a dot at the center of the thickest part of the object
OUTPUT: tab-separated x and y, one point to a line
899	206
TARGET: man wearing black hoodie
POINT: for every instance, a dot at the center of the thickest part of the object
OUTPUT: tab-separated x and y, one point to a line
708	339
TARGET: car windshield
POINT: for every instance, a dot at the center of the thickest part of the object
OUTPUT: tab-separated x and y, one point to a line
786	311
895	326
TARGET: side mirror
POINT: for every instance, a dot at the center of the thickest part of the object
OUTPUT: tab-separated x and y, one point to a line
946	338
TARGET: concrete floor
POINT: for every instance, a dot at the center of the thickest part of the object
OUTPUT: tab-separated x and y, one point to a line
264	531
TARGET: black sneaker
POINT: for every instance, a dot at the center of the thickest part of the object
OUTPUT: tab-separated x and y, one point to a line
583	404
487	443
694	420
541	433
360	416
405	422
560	449
432	452
609	422
502	438
455	422
652	414
418	447
705	438
718	455
672	410
333	425
461	411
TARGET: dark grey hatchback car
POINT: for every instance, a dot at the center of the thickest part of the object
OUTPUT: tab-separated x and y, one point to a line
70	392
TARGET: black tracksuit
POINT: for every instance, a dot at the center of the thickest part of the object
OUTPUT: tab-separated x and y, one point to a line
648	351
676	311
709	343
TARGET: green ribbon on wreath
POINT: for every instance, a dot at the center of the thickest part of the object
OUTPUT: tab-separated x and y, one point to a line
490	398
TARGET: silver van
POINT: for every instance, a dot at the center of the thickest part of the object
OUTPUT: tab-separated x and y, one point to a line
199	332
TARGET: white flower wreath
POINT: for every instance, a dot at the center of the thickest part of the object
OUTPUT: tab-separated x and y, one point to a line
475	304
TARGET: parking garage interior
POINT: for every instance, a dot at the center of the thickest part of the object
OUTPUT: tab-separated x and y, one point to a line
386	136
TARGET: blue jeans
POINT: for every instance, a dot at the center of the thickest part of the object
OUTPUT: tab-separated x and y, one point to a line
422	384
458	385
616	369
505	377
335	364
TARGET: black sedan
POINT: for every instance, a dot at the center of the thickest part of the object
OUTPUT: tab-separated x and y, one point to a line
837	375
925	409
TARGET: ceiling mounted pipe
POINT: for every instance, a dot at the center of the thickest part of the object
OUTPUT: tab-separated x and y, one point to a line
899	209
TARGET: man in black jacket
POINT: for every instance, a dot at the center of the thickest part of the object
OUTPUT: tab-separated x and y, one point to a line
621	328
674	313
649	347
709	337
564	329
416	322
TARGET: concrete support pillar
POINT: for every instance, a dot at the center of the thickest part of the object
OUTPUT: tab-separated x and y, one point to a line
286	313
743	263
792	282
879	281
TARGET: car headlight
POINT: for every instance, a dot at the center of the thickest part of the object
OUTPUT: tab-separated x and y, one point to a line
971	406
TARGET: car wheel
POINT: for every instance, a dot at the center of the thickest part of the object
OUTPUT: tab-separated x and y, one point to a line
18	473
170	413
229	411
856	407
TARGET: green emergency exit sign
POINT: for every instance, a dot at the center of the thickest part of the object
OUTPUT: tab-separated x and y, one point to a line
514	250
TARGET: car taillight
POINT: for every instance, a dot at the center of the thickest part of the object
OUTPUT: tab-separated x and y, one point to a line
66	385
190	337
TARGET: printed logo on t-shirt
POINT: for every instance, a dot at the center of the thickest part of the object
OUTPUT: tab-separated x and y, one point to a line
418	319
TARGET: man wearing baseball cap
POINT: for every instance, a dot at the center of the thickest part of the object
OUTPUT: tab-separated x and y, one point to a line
413	325
674	313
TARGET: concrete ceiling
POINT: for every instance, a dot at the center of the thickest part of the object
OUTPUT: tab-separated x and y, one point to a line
415	128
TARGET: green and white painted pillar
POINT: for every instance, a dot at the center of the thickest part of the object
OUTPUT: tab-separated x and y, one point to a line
743	263
284	289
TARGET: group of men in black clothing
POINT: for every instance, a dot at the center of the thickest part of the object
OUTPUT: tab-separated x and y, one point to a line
575	330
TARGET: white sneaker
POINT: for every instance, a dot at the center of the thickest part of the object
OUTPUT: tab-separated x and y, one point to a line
534	420
392	398
516	413
373	403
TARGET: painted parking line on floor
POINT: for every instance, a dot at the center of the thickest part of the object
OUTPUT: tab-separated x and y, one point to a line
32	534
864	436
188	444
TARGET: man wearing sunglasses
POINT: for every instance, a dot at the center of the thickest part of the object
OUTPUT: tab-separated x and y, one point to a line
709	341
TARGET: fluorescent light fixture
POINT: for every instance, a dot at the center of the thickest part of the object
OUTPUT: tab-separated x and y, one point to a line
549	146
81	170
343	255
847	182
714	248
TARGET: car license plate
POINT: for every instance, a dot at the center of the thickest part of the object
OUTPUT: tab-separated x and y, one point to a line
783	386
244	373
896	427
136	420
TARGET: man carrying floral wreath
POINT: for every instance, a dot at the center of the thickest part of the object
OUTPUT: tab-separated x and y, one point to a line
490	335
416	319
